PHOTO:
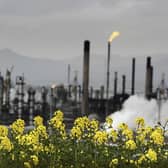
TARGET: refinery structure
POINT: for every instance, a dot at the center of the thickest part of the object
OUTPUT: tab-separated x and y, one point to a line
18	100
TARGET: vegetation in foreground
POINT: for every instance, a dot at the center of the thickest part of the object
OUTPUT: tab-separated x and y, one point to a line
85	146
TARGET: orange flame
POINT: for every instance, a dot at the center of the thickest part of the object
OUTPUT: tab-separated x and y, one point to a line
113	36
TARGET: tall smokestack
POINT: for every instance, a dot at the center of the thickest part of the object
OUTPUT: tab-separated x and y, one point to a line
79	92
149	78
108	78
151	84
102	92
91	92
133	77
115	83
148	62
85	103
1	91
69	73
123	84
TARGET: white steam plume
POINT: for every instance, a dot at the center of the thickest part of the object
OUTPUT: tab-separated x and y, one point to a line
138	106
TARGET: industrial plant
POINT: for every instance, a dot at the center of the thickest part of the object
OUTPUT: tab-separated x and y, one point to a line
19	100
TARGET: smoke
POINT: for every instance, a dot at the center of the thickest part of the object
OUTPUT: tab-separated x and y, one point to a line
138	106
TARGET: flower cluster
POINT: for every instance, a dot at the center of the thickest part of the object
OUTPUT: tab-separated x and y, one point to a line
5	143
38	120
84	128
3	131
57	123
87	144
100	137
18	127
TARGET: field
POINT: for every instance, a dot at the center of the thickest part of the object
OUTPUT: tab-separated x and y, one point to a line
86	145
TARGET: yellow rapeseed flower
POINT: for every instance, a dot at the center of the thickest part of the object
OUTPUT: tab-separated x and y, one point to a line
113	163
122	126
59	115
141	138
27	165
130	144
76	133
42	131
157	137
22	155
82	122
38	120
31	139
100	137
5	144
147	130
109	121
84	128
57	123
35	159
140	122
94	125
113	134
49	148
127	133
141	159
3	131
18	127
151	155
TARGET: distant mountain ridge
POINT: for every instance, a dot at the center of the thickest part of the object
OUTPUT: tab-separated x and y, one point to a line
44	71
35	70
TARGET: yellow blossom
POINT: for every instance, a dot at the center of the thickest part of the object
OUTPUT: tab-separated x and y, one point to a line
148	130
140	122
5	144
94	124
35	159
100	137
130	144
59	115
131	161
41	130
27	165
113	134
82	122
123	126
18	127
76	133
13	157
38	120
22	154
113	163
141	138
3	131
127	133
31	140
141	159
157	137
57	123
109	121
151	155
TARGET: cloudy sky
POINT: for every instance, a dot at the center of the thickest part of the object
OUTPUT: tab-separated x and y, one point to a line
56	29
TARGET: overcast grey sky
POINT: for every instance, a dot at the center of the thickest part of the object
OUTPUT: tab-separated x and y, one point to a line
56	29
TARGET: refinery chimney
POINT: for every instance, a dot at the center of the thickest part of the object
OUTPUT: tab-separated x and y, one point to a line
115	83
85	95
133	77
123	84
149	78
